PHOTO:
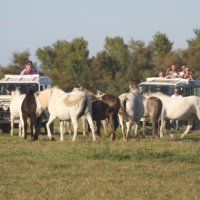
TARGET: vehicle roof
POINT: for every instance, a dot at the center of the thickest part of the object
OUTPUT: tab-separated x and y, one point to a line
26	79
173	82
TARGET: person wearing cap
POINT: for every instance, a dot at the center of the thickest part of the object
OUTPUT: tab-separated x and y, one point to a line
28	69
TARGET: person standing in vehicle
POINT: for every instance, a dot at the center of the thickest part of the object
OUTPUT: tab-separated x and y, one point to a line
28	69
176	95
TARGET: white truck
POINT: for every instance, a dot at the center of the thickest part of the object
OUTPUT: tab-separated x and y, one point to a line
21	82
166	86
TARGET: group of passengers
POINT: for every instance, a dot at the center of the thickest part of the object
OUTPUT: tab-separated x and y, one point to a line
172	72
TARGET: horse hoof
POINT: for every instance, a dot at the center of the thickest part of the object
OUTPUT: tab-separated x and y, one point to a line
34	137
124	139
182	136
52	139
112	138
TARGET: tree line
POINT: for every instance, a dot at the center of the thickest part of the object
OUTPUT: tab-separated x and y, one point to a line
112	69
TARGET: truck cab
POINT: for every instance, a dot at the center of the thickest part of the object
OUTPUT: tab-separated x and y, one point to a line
18	82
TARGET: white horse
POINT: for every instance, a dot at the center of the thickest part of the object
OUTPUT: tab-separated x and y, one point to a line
15	110
131	111
67	107
186	108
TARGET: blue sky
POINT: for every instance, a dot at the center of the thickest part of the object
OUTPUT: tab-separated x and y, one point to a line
33	24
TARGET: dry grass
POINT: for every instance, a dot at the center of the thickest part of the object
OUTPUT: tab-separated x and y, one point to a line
145	169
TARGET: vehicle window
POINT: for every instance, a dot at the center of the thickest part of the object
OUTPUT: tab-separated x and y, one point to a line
166	89
187	91
197	91
7	88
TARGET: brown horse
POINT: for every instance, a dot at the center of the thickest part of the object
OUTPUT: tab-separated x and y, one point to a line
104	107
152	111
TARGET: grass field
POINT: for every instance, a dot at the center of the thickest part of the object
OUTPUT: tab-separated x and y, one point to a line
145	169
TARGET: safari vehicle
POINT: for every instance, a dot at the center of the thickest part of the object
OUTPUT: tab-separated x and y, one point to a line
166	86
17	82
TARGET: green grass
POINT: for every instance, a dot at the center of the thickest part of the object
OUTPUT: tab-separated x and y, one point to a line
145	169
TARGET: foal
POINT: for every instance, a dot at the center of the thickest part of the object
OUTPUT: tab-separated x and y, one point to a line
31	109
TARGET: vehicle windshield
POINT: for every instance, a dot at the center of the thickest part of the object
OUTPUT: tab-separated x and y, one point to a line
166	89
7	88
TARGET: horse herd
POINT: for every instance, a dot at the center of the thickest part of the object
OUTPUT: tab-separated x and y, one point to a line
128	108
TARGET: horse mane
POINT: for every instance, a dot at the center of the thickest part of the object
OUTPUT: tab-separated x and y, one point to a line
99	94
44	96
123	99
86	92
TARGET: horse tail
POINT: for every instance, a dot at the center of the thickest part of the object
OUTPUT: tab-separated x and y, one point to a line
116	119
158	109
198	112
158	112
85	105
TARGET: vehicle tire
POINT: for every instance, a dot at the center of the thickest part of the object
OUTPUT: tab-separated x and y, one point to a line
5	128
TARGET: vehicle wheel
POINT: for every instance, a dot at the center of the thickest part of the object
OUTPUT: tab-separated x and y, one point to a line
5	128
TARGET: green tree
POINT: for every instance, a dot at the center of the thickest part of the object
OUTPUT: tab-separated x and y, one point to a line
66	62
191	55
117	51
18	62
173	57
161	44
141	61
196	40
100	77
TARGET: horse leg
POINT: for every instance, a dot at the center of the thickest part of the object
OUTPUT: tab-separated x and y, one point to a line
34	126
162	127
62	129
21	125
98	124
83	119
153	127
189	126
143	126
136	129
122	126
11	125
48	126
75	127
104	124
20	128
91	124
113	127
128	125
25	125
